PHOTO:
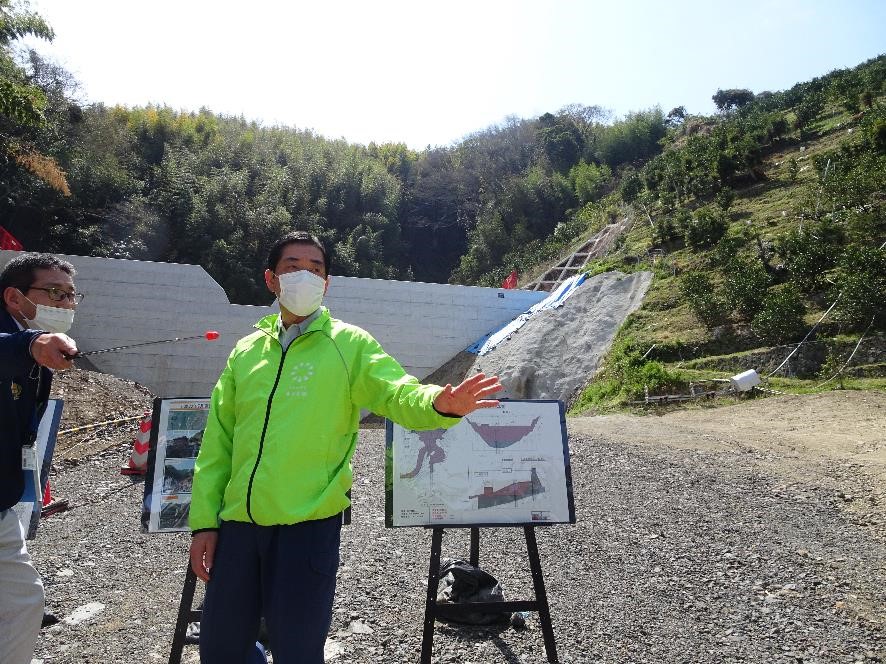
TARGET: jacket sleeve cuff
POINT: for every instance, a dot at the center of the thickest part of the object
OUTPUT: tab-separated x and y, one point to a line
204	530
33	339
442	414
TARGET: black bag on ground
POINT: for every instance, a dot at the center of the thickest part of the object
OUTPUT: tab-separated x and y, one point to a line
460	583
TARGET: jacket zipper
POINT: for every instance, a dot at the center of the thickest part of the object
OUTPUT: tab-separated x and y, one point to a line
261	442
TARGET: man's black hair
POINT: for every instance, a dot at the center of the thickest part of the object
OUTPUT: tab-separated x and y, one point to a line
296	237
21	271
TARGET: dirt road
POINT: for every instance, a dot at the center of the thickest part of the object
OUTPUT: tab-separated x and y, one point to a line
837	439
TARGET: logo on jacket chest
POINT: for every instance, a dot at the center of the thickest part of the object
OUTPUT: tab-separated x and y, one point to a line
16	390
299	378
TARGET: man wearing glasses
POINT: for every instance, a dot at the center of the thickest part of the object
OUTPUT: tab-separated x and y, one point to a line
39	300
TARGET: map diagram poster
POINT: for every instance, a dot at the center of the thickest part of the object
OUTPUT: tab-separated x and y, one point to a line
176	433
498	466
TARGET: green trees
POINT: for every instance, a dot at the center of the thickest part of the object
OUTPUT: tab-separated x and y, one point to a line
527	212
810	108
809	252
589	181
860	283
634	139
728	100
742	294
159	184
780	318
704	301
22	103
560	141
704	228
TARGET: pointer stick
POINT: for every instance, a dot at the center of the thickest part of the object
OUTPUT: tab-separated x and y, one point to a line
209	335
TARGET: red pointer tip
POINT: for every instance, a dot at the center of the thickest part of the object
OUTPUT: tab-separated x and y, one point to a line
211	335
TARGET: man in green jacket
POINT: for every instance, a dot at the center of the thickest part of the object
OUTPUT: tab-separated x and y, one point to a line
273	472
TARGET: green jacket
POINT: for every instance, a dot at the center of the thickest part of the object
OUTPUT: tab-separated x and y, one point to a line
282	426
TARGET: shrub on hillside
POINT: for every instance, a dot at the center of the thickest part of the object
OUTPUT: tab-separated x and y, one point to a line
627	375
781	318
698	291
860	281
745	286
631	185
705	228
666	230
809	252
793	169
877	134
808	110
725	198
652	377
727	249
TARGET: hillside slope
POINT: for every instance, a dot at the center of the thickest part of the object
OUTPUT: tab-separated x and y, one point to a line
790	251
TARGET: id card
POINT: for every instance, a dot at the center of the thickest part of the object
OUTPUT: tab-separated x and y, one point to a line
29	457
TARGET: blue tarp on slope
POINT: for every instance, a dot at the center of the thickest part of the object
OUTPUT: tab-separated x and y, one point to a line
553	301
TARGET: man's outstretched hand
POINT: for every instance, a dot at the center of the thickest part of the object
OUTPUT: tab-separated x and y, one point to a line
469	396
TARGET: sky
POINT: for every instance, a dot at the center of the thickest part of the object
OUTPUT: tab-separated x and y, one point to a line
429	73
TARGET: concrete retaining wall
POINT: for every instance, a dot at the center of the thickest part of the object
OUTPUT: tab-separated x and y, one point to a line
422	325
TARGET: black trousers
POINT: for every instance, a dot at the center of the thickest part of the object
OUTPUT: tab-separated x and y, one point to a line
284	573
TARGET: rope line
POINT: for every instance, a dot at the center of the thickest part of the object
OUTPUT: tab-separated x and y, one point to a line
840	370
99	424
67	453
806	337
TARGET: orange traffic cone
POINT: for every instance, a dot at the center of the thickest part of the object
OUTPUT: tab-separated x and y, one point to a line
138	460
51	506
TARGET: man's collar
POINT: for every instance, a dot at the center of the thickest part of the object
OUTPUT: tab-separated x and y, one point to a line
13	319
301	327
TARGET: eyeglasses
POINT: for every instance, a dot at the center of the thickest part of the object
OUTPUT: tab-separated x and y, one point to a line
59	295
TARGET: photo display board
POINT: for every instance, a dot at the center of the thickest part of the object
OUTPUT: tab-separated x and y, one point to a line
176	433
28	508
498	466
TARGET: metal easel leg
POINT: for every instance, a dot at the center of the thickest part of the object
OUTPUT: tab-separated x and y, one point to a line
184	615
427	641
544	613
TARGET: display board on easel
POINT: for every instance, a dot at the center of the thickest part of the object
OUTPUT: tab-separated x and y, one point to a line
176	434
505	466
498	466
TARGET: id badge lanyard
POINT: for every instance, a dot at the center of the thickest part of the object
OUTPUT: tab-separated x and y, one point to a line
29	455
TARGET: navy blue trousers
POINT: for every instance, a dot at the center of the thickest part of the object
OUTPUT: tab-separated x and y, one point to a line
284	573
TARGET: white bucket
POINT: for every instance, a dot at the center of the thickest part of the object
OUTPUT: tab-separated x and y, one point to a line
745	381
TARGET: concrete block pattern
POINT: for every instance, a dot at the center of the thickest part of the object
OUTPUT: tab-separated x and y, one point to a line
422	325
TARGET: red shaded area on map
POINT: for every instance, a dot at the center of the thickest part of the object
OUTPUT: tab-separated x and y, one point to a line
510	493
430	449
499	436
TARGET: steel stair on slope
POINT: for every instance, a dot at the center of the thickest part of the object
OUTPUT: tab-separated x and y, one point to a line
594	248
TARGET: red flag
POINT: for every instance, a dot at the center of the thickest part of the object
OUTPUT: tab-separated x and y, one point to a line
7	241
510	281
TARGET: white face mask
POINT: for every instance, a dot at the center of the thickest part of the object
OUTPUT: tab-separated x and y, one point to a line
301	292
51	319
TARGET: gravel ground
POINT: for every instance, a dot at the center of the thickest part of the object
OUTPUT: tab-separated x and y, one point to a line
705	553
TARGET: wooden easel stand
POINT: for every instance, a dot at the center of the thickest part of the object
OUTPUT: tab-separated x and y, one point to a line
186	614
